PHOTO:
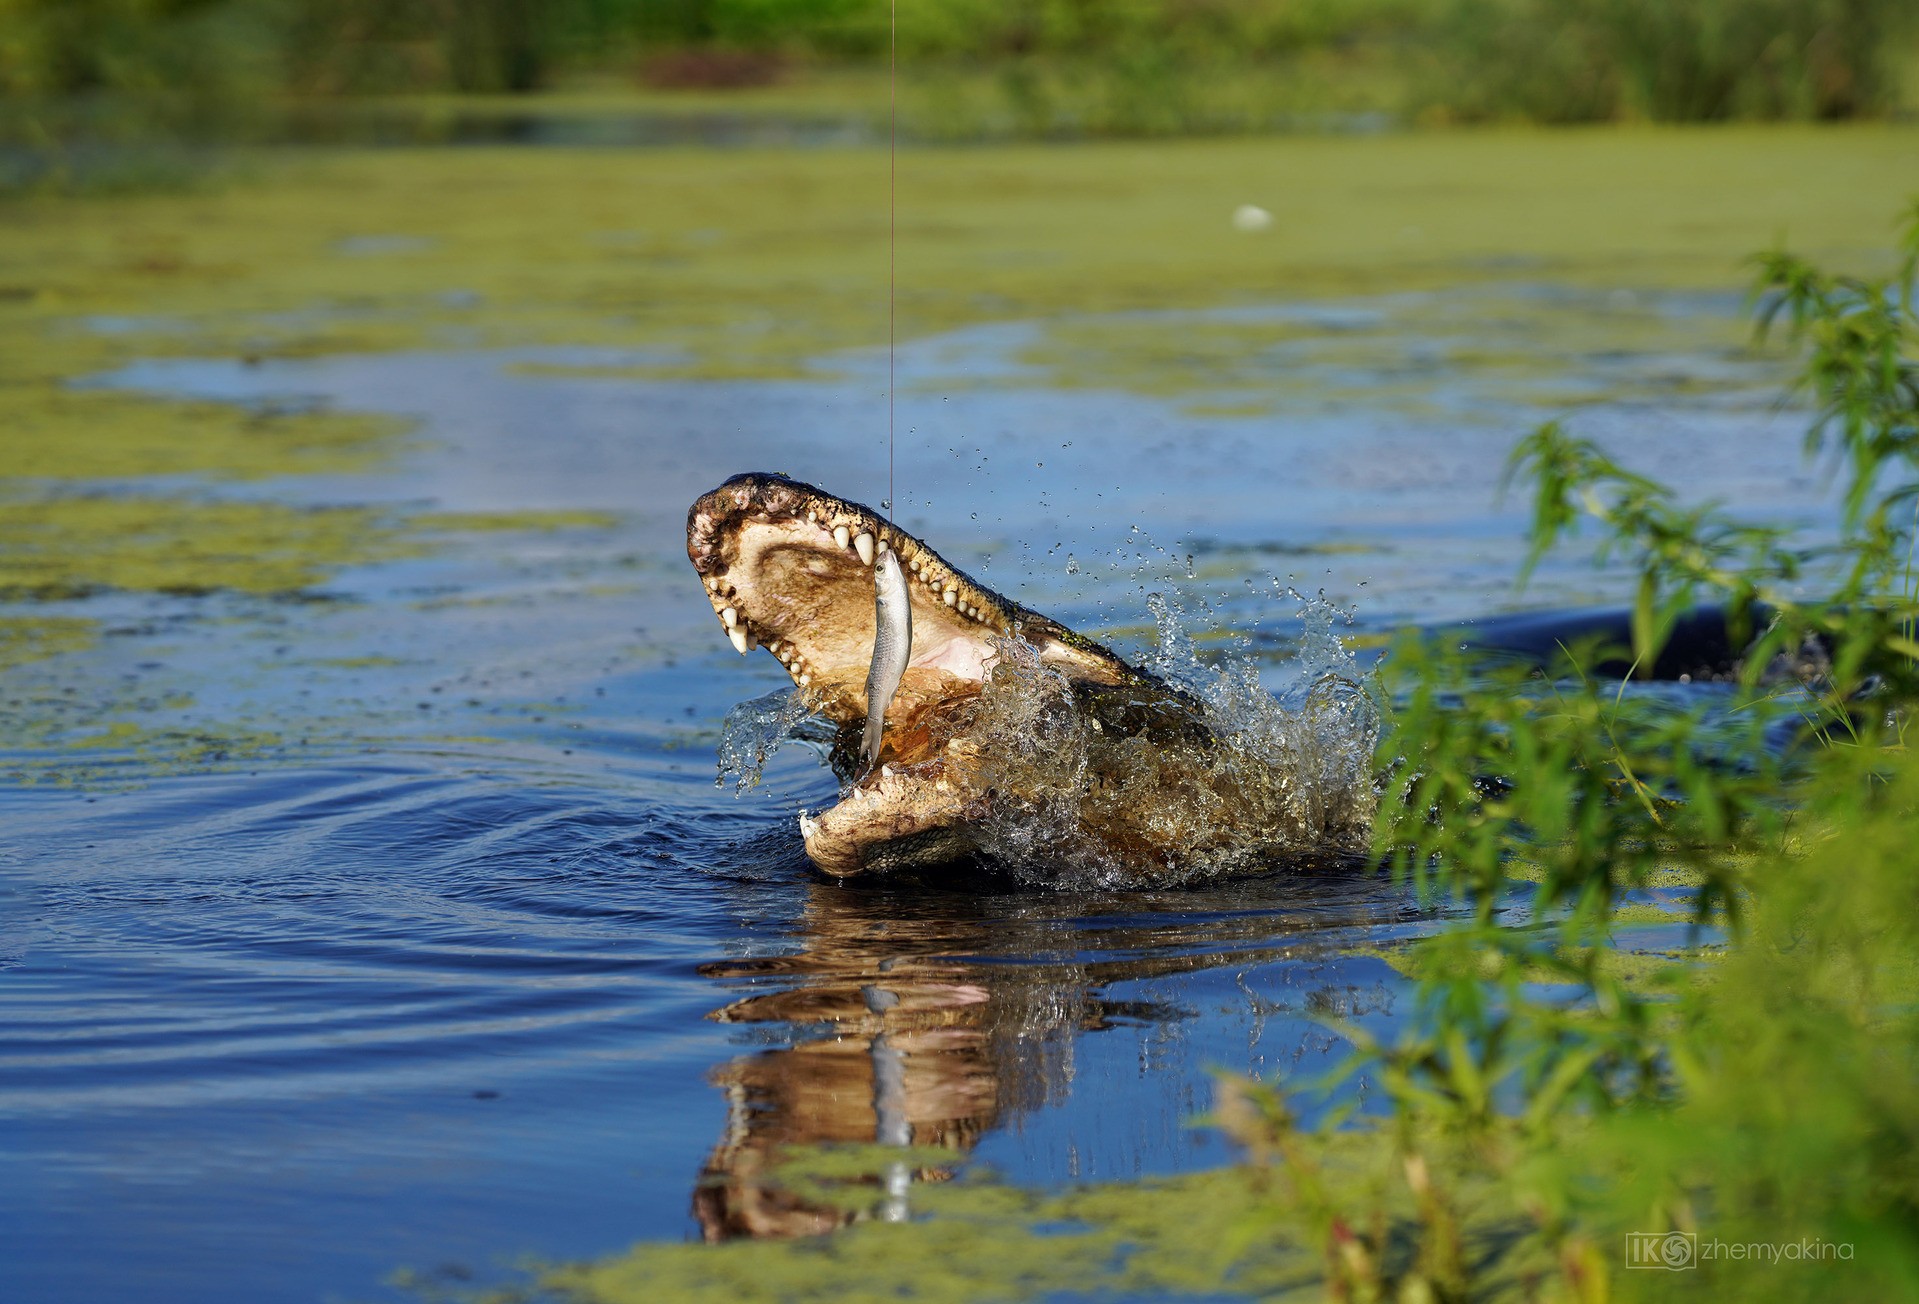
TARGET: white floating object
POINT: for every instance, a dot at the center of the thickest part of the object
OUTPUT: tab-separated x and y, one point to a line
1251	218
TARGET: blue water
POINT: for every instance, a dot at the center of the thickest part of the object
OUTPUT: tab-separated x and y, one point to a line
411	930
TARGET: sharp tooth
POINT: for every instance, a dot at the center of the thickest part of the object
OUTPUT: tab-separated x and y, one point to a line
808	825
886	771
729	617
864	542
952	597
842	536
741	639
805	680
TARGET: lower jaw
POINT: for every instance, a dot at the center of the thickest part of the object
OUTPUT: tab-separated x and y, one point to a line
896	820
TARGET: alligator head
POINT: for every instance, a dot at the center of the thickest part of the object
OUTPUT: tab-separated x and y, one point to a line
789	568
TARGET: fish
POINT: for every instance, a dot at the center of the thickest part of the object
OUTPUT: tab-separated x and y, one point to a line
892	649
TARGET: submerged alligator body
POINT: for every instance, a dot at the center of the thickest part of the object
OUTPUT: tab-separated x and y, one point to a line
1010	731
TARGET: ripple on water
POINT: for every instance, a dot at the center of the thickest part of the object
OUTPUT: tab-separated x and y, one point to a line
294	932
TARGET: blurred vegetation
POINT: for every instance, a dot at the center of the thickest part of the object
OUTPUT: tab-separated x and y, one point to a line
1666	60
91	75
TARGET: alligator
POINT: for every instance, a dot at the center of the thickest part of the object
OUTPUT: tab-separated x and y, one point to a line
971	752
1131	772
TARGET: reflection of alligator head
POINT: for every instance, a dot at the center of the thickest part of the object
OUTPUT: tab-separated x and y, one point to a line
930	1018
788	567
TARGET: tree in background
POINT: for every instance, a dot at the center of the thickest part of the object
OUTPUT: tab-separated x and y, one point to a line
1543	60
1667	60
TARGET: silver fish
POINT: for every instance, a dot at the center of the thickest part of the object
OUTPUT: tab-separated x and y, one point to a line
892	649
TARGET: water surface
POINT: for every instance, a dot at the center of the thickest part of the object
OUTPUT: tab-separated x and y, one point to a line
403	924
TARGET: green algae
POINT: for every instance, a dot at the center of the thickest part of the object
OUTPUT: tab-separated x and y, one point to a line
982	1241
767	260
1518	342
64	547
70	546
34	638
55	432
529	522
1247	409
709	369
126	754
1233	1233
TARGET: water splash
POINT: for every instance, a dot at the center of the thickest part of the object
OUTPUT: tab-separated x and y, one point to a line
1236	775
1216	774
755	729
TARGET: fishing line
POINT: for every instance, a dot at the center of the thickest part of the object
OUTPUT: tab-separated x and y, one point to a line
892	240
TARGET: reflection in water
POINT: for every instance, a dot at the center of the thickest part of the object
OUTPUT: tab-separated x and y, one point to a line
929	1020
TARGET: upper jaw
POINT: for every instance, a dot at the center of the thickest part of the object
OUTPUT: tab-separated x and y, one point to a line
788	567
